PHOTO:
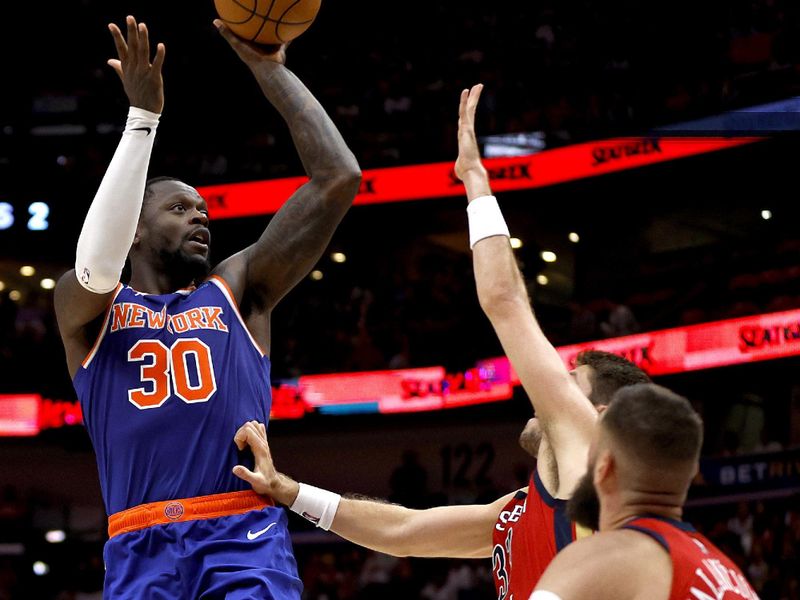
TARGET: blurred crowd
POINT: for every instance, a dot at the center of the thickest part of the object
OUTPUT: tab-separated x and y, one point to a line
684	287
573	71
415	305
761	536
570	71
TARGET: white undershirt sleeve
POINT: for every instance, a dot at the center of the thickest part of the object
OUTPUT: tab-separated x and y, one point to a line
110	224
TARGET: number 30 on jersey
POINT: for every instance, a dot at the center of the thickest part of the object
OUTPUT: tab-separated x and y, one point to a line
184	367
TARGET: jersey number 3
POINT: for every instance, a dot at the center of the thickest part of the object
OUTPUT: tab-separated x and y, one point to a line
165	369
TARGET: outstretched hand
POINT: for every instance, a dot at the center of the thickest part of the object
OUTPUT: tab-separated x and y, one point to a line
141	79
469	157
265	480
251	53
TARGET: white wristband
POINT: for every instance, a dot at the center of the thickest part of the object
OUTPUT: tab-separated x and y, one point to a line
485	219
317	505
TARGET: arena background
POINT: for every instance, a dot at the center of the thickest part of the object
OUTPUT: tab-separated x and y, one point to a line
672	244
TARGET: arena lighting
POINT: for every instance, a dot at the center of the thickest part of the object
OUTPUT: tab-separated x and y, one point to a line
516	243
2	285
15	295
542	279
25	415
55	536
437	180
316	275
39	211
6	215
548	256
41	568
48	284
574	237
27	271
513	144
663	352
338	257
766	215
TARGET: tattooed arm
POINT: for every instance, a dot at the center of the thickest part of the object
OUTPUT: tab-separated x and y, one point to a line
263	273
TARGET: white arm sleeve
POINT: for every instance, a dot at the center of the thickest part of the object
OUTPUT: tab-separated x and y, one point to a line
544	595
110	224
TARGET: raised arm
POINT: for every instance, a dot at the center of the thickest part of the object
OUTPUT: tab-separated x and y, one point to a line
444	531
566	416
301	230
108	231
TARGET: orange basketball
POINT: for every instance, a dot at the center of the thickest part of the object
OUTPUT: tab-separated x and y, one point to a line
268	21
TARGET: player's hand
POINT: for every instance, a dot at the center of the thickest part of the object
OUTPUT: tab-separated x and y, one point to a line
141	79
265	480
469	157
252	54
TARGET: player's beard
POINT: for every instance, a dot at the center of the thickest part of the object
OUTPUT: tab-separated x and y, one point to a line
584	506
185	268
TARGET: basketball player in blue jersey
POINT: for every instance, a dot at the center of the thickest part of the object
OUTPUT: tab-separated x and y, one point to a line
523	531
169	366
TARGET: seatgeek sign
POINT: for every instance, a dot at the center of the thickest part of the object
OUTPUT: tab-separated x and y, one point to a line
663	352
438	180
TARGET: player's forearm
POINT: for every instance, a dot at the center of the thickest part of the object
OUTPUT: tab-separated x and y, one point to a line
368	523
501	288
497	276
319	144
504	298
110	224
375	525
537	362
440	532
445	531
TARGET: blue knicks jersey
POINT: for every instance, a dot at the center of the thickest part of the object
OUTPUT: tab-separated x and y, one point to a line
169	381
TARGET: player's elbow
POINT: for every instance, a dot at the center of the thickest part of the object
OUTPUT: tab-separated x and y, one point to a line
501	301
350	181
343	185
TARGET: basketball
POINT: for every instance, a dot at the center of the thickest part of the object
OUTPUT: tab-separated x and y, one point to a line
267	21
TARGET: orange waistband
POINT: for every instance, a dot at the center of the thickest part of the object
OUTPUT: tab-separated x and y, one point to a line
185	509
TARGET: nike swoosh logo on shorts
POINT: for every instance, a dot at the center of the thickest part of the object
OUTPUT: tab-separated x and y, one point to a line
252	536
147	129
